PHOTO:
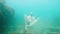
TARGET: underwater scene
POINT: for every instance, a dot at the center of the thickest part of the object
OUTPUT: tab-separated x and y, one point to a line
29	16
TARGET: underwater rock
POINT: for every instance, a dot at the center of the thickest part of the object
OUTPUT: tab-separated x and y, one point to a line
6	16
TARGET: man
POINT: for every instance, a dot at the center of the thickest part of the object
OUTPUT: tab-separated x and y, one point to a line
30	20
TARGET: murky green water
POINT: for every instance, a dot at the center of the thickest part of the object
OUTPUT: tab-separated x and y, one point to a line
47	10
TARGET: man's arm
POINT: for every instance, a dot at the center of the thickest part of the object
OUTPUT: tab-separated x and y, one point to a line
33	22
